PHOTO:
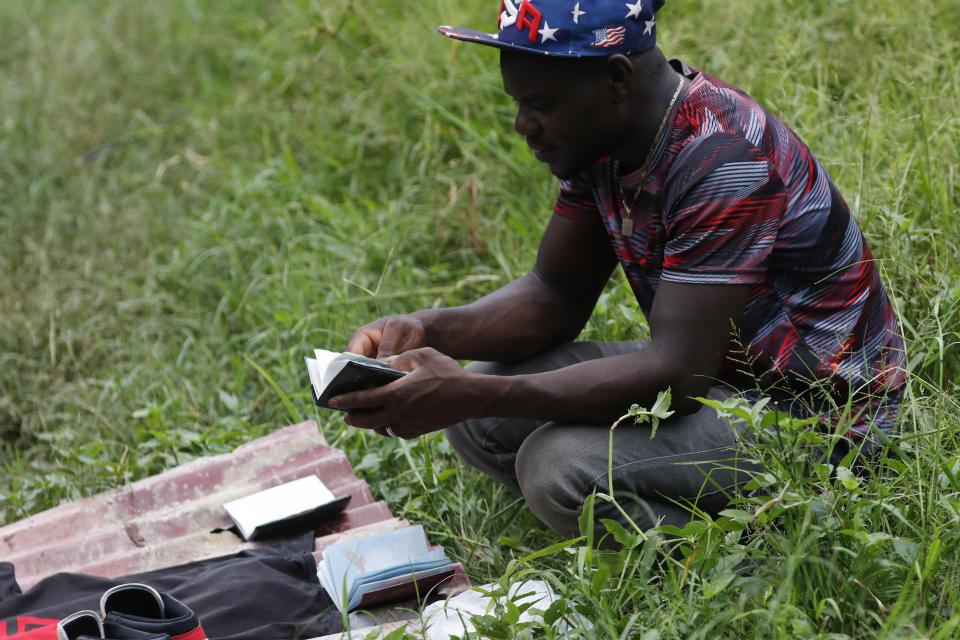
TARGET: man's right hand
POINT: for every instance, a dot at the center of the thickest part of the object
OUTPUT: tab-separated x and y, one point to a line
389	336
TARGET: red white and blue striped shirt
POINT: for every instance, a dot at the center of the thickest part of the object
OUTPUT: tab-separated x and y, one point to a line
732	196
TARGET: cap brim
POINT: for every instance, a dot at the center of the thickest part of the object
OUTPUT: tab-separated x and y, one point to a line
492	40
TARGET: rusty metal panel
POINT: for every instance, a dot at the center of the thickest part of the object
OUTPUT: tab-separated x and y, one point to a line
173	517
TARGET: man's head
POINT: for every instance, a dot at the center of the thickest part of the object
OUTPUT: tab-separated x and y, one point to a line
578	71
572	112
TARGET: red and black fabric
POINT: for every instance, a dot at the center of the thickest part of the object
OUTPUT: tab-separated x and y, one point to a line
266	593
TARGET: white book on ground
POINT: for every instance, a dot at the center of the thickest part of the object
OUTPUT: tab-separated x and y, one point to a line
284	507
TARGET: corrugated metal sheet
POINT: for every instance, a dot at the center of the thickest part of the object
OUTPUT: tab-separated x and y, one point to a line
173	517
177	516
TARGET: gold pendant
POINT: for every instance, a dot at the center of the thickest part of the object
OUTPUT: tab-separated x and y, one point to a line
626	227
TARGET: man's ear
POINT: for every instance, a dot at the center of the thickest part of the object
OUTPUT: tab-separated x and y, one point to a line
619	73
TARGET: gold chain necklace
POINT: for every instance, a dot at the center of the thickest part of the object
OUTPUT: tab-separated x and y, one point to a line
626	222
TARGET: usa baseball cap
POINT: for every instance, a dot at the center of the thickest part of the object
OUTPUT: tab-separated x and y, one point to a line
569	29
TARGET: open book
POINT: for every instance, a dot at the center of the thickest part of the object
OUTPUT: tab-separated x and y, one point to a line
383	567
332	373
289	508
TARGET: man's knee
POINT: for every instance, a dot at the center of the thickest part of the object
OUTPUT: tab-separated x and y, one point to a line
551	480
462	439
477	442
466	441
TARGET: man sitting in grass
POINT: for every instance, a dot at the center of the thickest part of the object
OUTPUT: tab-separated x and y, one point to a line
746	261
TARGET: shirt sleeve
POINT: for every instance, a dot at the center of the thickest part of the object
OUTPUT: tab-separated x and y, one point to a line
724	204
576	199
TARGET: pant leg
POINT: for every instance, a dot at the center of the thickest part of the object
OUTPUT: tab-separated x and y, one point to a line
693	460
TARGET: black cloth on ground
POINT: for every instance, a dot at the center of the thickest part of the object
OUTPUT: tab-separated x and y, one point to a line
264	593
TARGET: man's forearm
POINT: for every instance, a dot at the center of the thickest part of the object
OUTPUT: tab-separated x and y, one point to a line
690	328
598	390
514	322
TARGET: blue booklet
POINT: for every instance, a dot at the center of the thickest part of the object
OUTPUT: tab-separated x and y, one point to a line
383	567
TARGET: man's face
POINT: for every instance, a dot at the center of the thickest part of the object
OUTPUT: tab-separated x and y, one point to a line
562	110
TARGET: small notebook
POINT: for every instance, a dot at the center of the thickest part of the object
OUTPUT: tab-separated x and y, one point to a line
332	373
285	509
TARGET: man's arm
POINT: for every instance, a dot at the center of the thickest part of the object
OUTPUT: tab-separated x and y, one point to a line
543	308
690	334
690	327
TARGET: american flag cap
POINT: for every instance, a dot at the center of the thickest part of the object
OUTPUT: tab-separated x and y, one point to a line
569	29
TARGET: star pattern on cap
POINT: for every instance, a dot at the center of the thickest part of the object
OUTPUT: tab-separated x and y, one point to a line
603	30
577	13
546	33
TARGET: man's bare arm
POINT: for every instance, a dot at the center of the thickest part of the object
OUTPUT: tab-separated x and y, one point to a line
544	308
691	329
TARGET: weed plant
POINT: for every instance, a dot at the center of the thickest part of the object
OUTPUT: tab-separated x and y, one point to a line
196	194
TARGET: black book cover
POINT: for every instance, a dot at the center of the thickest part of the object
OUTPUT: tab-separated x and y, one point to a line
355	376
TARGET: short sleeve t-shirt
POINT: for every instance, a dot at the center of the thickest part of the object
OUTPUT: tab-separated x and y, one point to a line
730	195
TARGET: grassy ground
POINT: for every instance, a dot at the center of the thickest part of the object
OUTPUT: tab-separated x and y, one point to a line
196	194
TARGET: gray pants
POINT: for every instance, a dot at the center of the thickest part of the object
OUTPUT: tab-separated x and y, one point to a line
692	461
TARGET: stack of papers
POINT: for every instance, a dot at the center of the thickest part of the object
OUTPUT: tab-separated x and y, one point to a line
387	566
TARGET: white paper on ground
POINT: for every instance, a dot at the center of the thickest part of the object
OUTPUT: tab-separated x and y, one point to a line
451	617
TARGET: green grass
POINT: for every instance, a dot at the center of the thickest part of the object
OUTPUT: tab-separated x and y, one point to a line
195	194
